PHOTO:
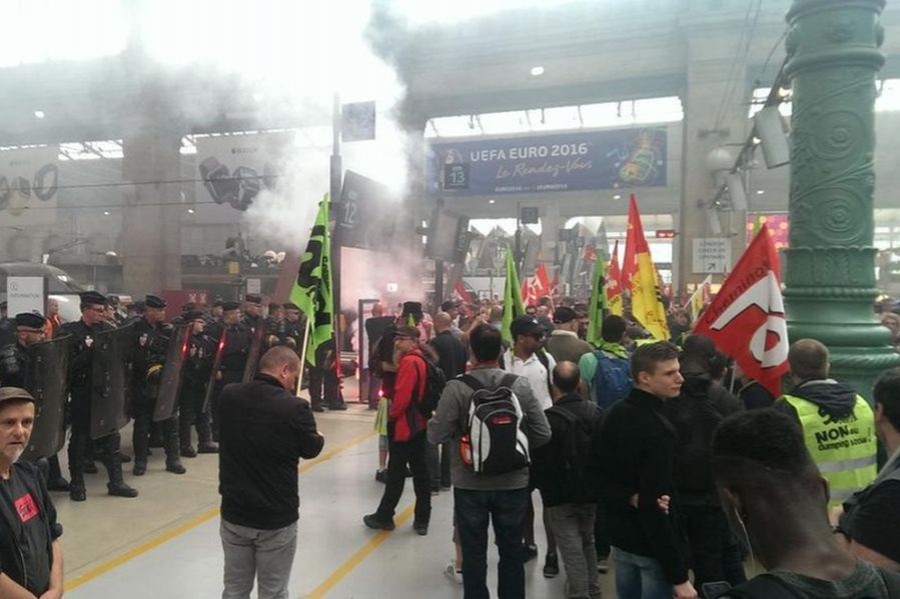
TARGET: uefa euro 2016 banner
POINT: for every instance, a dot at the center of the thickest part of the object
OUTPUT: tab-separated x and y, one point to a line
29	182
583	160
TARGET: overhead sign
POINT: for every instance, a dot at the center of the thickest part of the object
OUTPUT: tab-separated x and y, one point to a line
29	181
358	121
583	160
665	233
25	294
254	286
365	216
530	216
712	255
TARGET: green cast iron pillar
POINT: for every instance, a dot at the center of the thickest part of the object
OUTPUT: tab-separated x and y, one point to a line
833	59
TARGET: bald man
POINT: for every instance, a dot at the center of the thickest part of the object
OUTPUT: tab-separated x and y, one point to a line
265	430
838	424
452	357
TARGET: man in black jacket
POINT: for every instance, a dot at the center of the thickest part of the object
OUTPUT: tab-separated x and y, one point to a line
265	429
452	358
695	414
563	473
31	559
636	452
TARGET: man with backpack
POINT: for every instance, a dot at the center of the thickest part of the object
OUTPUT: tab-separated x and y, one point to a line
496	422
564	474
527	358
607	371
407	421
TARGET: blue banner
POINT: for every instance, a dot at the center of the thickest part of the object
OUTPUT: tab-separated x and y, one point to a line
584	160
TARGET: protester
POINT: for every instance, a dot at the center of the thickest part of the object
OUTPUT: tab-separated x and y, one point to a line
528	359
406	436
714	552
563	343
375	328
452	357
606	372
264	430
31	557
751	392
775	499
868	521
566	477
823	407
497	494
636	453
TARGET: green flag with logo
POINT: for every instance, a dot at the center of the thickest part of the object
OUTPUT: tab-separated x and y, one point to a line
312	290
598	305
513	306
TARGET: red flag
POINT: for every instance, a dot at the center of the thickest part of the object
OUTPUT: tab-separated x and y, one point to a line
746	319
633	237
542	280
460	290
614	283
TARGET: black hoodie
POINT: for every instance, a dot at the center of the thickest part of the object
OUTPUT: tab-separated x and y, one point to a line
836	400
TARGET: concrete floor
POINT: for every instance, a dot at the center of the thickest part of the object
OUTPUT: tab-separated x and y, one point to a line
165	543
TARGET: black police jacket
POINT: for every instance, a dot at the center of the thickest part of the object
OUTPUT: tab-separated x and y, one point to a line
13	365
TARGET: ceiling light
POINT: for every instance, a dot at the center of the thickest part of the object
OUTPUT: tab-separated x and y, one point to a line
106	213
491	201
38	114
617	197
537	71
760	192
190	210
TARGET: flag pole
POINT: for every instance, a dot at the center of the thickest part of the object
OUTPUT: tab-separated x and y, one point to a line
303	356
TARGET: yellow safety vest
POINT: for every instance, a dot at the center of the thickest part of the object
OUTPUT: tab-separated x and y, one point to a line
844	450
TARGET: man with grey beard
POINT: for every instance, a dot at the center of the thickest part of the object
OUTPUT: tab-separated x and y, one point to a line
30	550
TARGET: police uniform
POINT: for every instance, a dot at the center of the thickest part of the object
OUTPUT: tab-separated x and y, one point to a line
80	385
293	330
323	375
234	353
152	344
195	378
14	362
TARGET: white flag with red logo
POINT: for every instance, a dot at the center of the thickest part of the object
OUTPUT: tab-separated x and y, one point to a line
746	319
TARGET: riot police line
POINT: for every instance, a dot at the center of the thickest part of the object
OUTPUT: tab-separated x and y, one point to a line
95	375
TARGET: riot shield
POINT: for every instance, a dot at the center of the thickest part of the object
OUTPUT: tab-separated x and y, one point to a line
170	380
110	380
211	386
45	379
254	354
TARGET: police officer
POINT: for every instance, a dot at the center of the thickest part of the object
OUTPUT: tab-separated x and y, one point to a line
252	317
838	424
14	361
195	378
7	326
323	375
83	331
234	355
152	336
293	327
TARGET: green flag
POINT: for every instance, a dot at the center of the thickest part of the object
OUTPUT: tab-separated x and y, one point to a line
598	305
512	298
312	289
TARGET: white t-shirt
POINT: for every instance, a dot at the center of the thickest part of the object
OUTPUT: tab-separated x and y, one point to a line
535	372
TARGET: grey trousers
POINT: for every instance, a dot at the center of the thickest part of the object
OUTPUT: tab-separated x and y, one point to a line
264	555
573	525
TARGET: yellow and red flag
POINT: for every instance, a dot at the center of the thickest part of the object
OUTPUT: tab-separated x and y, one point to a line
639	275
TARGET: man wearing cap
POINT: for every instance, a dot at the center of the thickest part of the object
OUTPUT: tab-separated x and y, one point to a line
406	436
215	312
195	378
14	359
31	558
252	319
563	343
152	335
93	310
527	358
235	349
293	327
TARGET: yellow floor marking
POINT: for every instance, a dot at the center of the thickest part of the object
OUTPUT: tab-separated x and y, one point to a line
357	558
185	527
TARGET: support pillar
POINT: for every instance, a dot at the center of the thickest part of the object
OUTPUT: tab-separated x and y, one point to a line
834	57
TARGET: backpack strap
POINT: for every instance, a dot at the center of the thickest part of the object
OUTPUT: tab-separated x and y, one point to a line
471	382
542	358
892	582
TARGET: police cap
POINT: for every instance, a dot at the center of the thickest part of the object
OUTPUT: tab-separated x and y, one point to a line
253	298
154	301
229	306
31	320
93	298
192	315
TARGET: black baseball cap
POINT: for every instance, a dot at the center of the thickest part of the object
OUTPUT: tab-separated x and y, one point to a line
526	325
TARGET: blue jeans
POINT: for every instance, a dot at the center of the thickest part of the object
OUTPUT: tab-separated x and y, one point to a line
639	577
474	510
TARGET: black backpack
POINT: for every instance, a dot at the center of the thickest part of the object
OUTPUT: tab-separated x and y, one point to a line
574	439
494	440
434	387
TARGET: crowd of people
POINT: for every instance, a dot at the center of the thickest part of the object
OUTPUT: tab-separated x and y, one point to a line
658	458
